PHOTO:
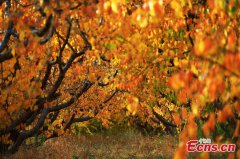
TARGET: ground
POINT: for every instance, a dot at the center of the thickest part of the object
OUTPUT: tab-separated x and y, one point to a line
122	145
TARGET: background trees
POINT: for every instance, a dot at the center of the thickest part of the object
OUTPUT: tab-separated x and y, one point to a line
172	65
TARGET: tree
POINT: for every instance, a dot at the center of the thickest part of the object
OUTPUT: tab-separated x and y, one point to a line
173	64
50	77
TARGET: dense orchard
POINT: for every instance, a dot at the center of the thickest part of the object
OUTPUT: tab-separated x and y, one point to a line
172	65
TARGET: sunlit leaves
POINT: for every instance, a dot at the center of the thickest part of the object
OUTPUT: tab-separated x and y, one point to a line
180	80
172	57
204	47
132	104
113	6
177	7
155	8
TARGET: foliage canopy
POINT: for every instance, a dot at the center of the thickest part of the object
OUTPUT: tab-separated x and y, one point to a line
170	64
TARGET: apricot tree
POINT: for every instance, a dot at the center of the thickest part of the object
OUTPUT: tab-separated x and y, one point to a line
173	64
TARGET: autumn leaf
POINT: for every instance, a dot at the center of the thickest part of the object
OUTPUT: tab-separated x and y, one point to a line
176	119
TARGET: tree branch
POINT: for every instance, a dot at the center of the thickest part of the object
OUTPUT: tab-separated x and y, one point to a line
7	36
164	121
41	32
29	133
5	56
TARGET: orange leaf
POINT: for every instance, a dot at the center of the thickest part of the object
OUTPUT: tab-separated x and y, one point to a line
182	96
211	121
176	119
179	154
176	82
184	113
236	132
206	129
209	125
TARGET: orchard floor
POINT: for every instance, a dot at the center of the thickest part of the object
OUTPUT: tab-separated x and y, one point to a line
126	145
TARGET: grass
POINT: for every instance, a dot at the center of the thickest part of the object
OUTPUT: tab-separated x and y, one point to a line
120	145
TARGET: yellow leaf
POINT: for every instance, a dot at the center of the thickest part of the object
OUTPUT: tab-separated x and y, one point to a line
194	70
176	6
132	105
176	61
